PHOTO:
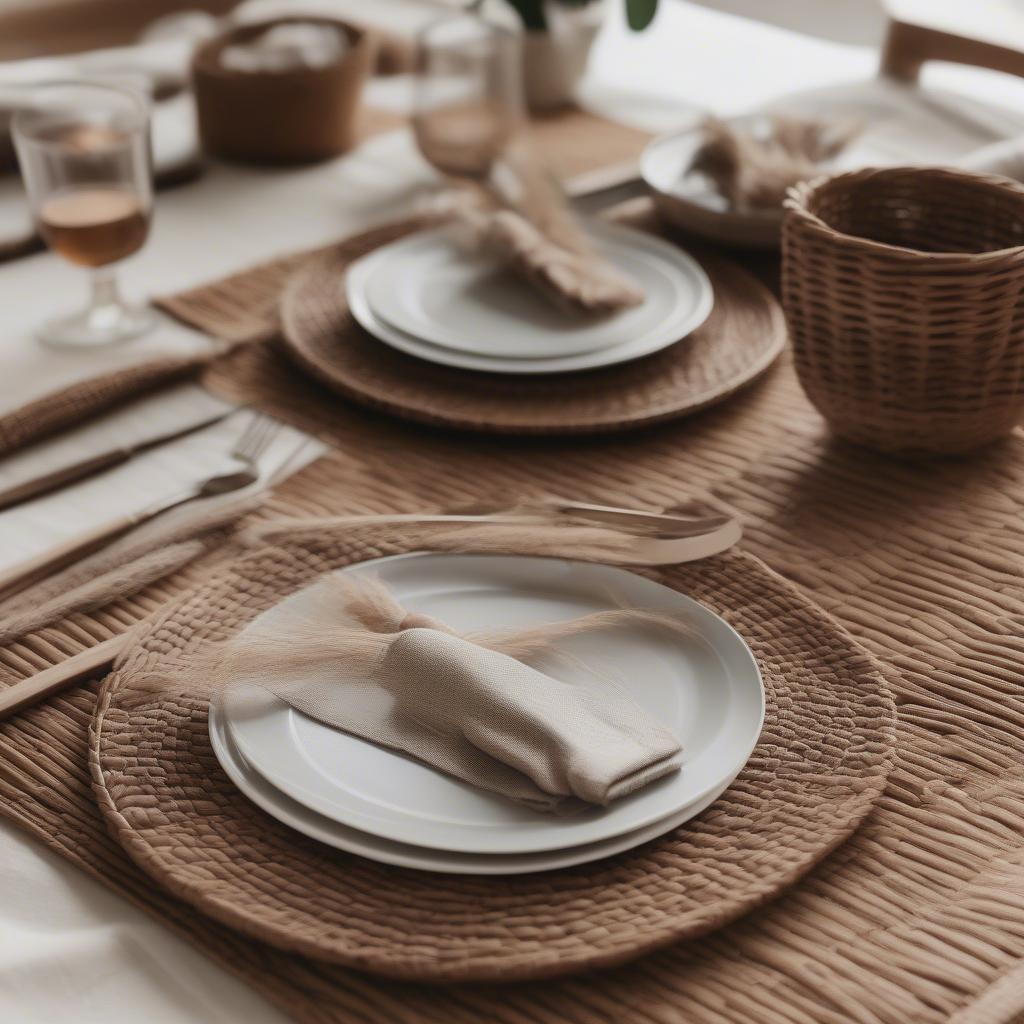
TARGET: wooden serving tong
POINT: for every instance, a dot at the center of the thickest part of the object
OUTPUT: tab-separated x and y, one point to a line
661	539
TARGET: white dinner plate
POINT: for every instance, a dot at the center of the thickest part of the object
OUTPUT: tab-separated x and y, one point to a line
323	829
706	690
384	332
427	287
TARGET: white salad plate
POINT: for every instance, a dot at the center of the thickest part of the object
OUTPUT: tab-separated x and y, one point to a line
389	335
897	125
705	689
430	289
280	806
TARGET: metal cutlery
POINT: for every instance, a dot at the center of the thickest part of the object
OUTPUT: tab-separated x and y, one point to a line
254	441
94	464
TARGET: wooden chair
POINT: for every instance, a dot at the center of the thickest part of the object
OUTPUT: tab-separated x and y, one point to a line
983	33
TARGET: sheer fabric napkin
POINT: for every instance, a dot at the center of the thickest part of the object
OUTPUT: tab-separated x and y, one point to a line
523	219
556	259
465	705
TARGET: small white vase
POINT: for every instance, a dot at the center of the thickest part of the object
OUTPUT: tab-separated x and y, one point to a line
554	61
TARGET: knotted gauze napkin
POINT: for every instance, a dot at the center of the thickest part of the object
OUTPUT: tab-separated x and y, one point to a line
465	705
755	172
574	279
529	227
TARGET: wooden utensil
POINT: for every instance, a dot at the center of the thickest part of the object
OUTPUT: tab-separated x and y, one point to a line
52	680
660	539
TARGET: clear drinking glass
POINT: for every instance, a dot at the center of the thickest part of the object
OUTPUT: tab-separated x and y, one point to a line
85	159
468	93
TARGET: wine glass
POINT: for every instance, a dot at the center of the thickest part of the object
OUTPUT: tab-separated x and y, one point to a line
468	93
85	159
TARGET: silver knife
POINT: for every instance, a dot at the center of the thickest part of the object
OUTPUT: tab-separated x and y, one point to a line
593	191
72	473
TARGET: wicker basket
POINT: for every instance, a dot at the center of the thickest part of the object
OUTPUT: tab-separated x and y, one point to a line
279	117
904	292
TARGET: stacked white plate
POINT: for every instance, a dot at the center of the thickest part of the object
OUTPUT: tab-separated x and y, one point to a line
375	802
429	298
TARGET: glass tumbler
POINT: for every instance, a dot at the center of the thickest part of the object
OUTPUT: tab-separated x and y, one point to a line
84	153
468	101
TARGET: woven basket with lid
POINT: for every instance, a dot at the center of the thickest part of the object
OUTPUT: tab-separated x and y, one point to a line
904	293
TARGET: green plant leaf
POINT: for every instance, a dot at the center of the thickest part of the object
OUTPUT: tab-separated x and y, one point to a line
640	13
531	12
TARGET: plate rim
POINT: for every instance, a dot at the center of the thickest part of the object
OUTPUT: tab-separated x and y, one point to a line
322	829
299	794
611	355
678	264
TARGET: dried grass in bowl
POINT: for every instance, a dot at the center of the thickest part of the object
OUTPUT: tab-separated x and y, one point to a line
904	294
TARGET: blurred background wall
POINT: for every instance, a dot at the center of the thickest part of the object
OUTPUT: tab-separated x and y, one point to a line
37	26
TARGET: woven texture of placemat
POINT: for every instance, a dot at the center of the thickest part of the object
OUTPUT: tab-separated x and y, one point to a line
743	335
915	918
910	919
817	770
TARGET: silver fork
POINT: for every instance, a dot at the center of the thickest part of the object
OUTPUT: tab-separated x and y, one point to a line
255	440
247	451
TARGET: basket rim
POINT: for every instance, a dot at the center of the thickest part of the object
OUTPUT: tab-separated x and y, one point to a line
799	196
206	58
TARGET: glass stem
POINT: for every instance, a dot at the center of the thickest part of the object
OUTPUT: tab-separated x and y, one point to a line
106	305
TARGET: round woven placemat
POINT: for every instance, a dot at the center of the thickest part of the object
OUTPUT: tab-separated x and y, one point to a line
818	768
737	343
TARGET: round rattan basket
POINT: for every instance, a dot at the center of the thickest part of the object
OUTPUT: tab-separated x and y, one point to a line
904	293
299	115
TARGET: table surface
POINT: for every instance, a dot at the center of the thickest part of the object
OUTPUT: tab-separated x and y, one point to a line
68	948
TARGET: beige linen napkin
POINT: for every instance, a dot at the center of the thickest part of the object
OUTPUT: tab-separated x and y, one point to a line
754	172
465	705
524	220
576	280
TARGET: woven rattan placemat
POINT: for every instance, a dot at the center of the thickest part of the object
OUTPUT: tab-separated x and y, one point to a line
740	339
910	920
915	918
817	770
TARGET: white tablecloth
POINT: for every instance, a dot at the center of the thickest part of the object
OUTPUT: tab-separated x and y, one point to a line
159	474
68	949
